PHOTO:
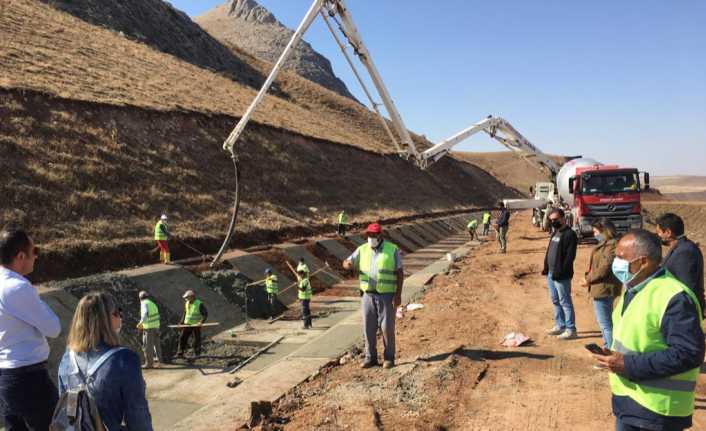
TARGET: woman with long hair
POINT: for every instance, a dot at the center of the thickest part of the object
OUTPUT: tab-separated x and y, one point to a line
602	285
117	386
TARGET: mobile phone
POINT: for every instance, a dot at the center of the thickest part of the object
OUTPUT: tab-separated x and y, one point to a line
595	348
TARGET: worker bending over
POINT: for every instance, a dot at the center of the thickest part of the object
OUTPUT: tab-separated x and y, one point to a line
195	314
161	235
305	294
472	226
379	267
272	289
149	325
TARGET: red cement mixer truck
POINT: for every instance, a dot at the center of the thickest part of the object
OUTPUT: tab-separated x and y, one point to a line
594	191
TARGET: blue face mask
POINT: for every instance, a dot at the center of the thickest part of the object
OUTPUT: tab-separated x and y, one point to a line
599	237
621	270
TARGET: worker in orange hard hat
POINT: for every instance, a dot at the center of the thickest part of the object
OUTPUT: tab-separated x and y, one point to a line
379	266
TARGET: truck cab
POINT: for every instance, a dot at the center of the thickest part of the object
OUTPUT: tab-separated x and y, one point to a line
606	191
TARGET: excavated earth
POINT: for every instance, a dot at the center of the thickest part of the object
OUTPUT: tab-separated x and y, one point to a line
453	374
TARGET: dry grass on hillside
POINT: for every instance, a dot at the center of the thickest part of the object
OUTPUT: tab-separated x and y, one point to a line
49	51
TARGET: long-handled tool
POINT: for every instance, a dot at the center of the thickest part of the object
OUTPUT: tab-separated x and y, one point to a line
203	255
181	326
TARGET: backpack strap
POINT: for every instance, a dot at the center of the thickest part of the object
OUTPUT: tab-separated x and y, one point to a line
100	361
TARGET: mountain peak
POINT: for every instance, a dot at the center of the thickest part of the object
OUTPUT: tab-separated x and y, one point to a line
250	11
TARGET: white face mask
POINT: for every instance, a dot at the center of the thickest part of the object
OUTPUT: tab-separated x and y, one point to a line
373	242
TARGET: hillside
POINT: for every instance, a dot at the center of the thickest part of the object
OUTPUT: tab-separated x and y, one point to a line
682	188
101	134
507	167
254	29
158	24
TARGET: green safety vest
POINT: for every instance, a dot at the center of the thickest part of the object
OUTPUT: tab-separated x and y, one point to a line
304	288
303	266
386	277
271	285
152	321
159	234
486	218
342	218
472	224
193	312
638	331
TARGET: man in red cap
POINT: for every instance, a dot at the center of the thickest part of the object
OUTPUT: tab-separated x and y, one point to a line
379	267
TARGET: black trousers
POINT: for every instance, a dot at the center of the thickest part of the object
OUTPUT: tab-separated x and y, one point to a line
184	340
271	300
306	313
342	229
486	229
27	398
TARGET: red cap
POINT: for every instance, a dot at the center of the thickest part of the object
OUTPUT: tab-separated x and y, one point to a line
374	228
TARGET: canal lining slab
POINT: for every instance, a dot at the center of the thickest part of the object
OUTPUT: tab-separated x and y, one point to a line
399	239
253	267
334	248
296	252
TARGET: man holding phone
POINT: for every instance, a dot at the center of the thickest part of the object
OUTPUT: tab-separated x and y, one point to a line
658	341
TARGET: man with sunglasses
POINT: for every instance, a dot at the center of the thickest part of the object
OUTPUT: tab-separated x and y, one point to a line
27	394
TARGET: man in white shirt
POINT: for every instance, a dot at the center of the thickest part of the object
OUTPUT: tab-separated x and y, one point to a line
27	394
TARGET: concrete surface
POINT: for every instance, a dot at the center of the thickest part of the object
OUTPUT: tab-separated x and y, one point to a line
356	239
334	248
399	239
254	268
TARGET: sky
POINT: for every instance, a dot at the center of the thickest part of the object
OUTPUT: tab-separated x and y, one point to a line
619	81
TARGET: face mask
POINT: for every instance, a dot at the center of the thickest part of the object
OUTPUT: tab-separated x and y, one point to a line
373	242
599	237
621	270
556	224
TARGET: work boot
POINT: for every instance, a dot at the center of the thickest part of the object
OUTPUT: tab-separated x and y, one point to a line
388	364
567	335
369	364
555	330
145	366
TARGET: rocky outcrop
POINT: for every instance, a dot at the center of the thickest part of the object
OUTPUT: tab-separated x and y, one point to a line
251	27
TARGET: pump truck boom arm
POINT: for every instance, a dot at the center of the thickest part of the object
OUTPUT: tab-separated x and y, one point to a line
500	130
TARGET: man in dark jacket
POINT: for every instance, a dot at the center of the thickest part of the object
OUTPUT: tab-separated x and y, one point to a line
684	259
559	269
502	225
658	341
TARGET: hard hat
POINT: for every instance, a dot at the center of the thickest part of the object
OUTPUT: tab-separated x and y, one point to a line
164	217
189	294
268	271
374	229
143	294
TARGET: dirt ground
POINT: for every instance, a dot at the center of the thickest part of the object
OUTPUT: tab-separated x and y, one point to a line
453	374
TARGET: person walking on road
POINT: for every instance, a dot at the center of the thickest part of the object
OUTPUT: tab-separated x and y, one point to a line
684	258
195	314
272	289
27	394
342	223
118	386
658	341
379	267
486	223
559	270
149	324
602	285
162	235
502	225
304	294
472	226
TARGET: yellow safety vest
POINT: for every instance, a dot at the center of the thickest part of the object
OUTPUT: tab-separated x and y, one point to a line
159	234
638	331
193	312
386	267
472	224
303	267
304	289
271	285
152	321
486	218
342	218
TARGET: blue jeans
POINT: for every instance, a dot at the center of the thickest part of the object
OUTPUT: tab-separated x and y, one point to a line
620	426
560	294
603	307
